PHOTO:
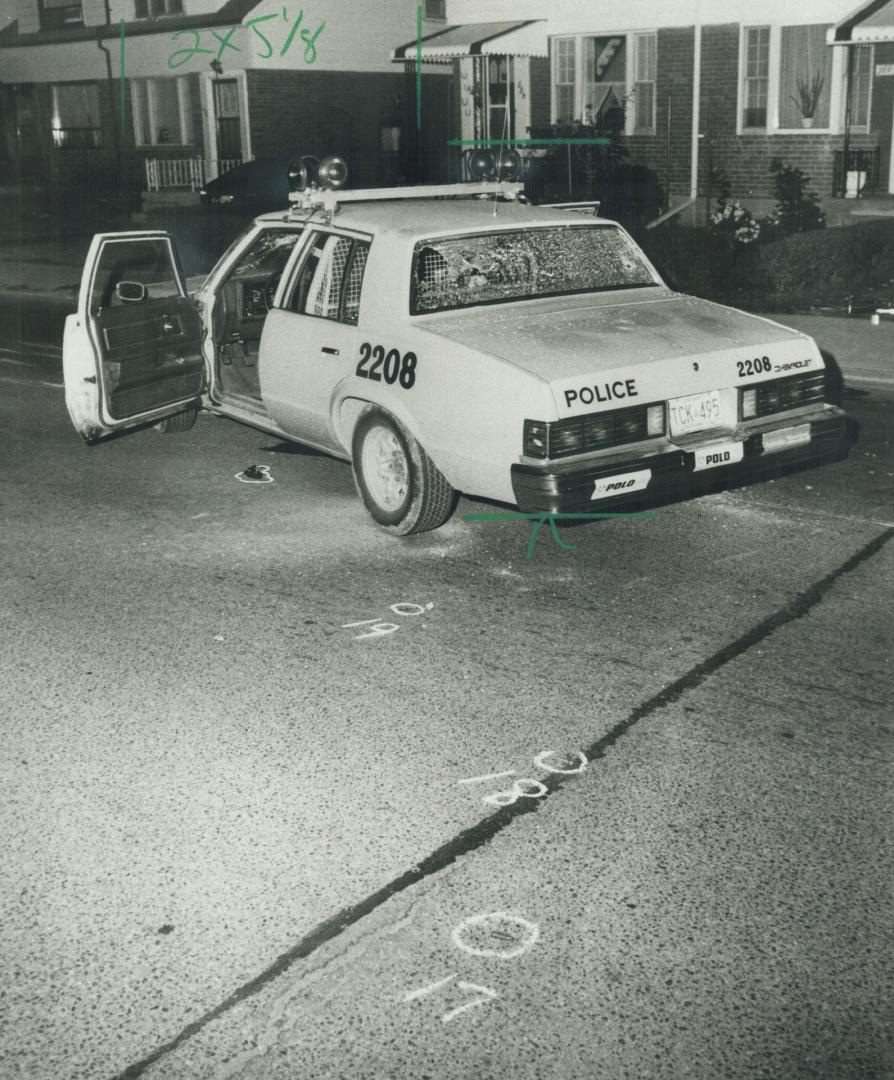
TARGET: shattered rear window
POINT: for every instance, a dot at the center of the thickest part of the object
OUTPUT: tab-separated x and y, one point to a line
489	268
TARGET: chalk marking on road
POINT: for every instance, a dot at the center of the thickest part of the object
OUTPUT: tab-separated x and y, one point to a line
541	764
485	992
495	923
809	511
382	629
516	792
489	776
507	798
483	832
414	995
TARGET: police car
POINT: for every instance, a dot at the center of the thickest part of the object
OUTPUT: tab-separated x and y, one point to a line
443	340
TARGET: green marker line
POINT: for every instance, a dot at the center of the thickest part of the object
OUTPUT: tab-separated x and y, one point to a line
419	67
546	517
530	142
121	68
539	520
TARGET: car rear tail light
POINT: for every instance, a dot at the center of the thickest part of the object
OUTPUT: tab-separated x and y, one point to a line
536	439
595	431
749	404
655	420
779	395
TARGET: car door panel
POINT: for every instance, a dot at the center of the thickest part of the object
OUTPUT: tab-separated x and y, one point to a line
309	344
127	363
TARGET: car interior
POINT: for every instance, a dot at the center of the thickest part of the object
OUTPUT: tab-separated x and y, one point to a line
241	307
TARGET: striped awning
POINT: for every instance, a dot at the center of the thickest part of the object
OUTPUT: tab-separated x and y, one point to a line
526	38
872	22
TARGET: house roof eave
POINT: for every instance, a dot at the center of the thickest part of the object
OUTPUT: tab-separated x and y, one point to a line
230	13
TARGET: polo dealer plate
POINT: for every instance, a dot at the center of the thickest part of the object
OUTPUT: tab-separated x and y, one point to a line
717	454
622	484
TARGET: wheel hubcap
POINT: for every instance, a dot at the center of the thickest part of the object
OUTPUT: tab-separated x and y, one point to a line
385	468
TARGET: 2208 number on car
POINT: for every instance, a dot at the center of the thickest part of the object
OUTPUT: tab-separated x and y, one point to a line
394	367
754	367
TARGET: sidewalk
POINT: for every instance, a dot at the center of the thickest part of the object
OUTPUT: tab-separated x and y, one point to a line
43	267
52	269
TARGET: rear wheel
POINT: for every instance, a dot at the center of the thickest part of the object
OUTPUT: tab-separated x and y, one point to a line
400	486
181	421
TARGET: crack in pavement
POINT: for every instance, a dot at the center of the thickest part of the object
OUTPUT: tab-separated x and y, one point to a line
485	830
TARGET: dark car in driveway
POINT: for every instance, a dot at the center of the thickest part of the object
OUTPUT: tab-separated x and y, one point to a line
252	188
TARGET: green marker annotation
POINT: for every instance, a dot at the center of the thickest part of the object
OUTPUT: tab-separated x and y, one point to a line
539	520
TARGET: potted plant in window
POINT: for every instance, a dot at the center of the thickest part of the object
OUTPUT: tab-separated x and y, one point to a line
808	96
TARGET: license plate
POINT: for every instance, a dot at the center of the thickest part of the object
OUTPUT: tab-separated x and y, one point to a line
694	413
718	454
607	486
786	438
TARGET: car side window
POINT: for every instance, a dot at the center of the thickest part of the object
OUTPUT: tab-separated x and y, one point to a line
331	279
354	282
148	262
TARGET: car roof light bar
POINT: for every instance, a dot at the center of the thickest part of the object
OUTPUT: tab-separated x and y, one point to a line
308	201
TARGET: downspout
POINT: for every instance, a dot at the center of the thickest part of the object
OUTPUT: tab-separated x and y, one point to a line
849	89
696	123
119	160
696	101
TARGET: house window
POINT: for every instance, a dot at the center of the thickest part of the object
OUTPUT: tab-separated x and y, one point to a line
161	111
805	77
605	74
76	122
436	9
861	85
565	74
152	9
756	87
59	14
499	98
646	66
792	81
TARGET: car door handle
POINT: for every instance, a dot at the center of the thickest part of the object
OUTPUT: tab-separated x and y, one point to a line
170	325
328	349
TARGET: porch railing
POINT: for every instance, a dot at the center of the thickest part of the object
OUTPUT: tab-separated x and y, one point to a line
858	175
171	174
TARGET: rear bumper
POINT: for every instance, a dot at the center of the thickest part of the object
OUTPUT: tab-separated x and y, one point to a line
569	488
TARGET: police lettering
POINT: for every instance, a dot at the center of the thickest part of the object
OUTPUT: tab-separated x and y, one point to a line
587	395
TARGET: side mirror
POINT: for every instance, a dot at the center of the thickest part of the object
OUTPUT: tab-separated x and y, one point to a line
130	292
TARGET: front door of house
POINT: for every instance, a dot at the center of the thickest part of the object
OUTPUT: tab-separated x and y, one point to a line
227	119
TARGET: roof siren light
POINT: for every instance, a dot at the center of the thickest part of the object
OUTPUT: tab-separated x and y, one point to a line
333	173
303	172
508	165
481	164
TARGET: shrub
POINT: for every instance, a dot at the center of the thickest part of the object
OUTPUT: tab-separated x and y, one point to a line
807	268
787	274
797	206
731	222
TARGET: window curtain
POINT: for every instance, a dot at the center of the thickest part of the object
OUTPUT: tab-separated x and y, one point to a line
805	67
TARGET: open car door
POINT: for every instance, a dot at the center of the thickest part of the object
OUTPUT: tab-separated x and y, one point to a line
132	354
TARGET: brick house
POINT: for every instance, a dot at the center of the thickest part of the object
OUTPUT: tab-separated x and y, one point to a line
710	87
158	95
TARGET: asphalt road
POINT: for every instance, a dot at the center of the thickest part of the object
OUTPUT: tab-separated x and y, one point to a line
243	839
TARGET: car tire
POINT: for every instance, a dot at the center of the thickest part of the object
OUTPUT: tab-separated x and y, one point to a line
181	421
399	484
